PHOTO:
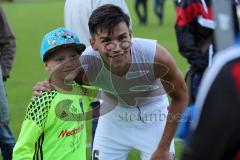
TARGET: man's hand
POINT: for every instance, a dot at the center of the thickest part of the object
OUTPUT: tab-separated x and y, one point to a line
164	155
42	86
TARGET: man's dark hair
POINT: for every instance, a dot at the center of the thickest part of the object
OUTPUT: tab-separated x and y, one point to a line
106	17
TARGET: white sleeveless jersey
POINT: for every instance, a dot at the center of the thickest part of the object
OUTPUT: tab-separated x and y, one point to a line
139	84
135	118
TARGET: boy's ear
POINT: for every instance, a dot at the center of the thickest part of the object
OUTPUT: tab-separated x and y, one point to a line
46	65
93	43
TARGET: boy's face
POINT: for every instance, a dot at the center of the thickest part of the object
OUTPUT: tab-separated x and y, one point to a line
62	62
114	48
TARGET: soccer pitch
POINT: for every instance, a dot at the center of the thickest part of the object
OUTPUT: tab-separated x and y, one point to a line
31	19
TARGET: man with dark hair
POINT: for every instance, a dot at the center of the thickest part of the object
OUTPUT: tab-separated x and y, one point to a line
130	70
137	75
7	53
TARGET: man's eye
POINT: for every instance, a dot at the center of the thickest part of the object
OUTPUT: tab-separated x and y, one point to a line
105	40
122	38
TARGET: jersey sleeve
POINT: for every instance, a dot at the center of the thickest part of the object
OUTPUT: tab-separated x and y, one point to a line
145	48
30	138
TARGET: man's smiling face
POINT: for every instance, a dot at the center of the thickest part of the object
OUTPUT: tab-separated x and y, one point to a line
115	47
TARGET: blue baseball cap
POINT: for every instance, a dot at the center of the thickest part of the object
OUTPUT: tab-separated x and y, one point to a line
60	38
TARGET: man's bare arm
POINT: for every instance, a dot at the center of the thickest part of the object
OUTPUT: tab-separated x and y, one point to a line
178	95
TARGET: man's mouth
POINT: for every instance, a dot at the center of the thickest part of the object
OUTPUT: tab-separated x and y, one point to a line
116	55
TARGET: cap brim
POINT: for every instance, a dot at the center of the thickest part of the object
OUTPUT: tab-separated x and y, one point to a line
80	48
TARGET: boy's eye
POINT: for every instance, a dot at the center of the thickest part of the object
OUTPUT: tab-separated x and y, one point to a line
75	55
60	59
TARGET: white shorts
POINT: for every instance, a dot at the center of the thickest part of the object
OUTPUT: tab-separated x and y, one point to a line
123	129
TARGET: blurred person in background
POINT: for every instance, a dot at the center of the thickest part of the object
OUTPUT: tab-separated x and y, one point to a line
141	12
216	134
77	13
8	0
194	31
159	10
7	53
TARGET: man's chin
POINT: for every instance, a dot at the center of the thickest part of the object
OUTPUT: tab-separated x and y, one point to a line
117	68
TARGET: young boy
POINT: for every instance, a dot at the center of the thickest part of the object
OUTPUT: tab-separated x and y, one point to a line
52	128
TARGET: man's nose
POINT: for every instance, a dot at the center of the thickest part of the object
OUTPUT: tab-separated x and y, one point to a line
116	46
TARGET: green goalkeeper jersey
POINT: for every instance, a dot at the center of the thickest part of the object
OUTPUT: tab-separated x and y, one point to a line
54	128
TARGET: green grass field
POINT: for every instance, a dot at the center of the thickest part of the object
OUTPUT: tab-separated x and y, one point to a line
31	19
